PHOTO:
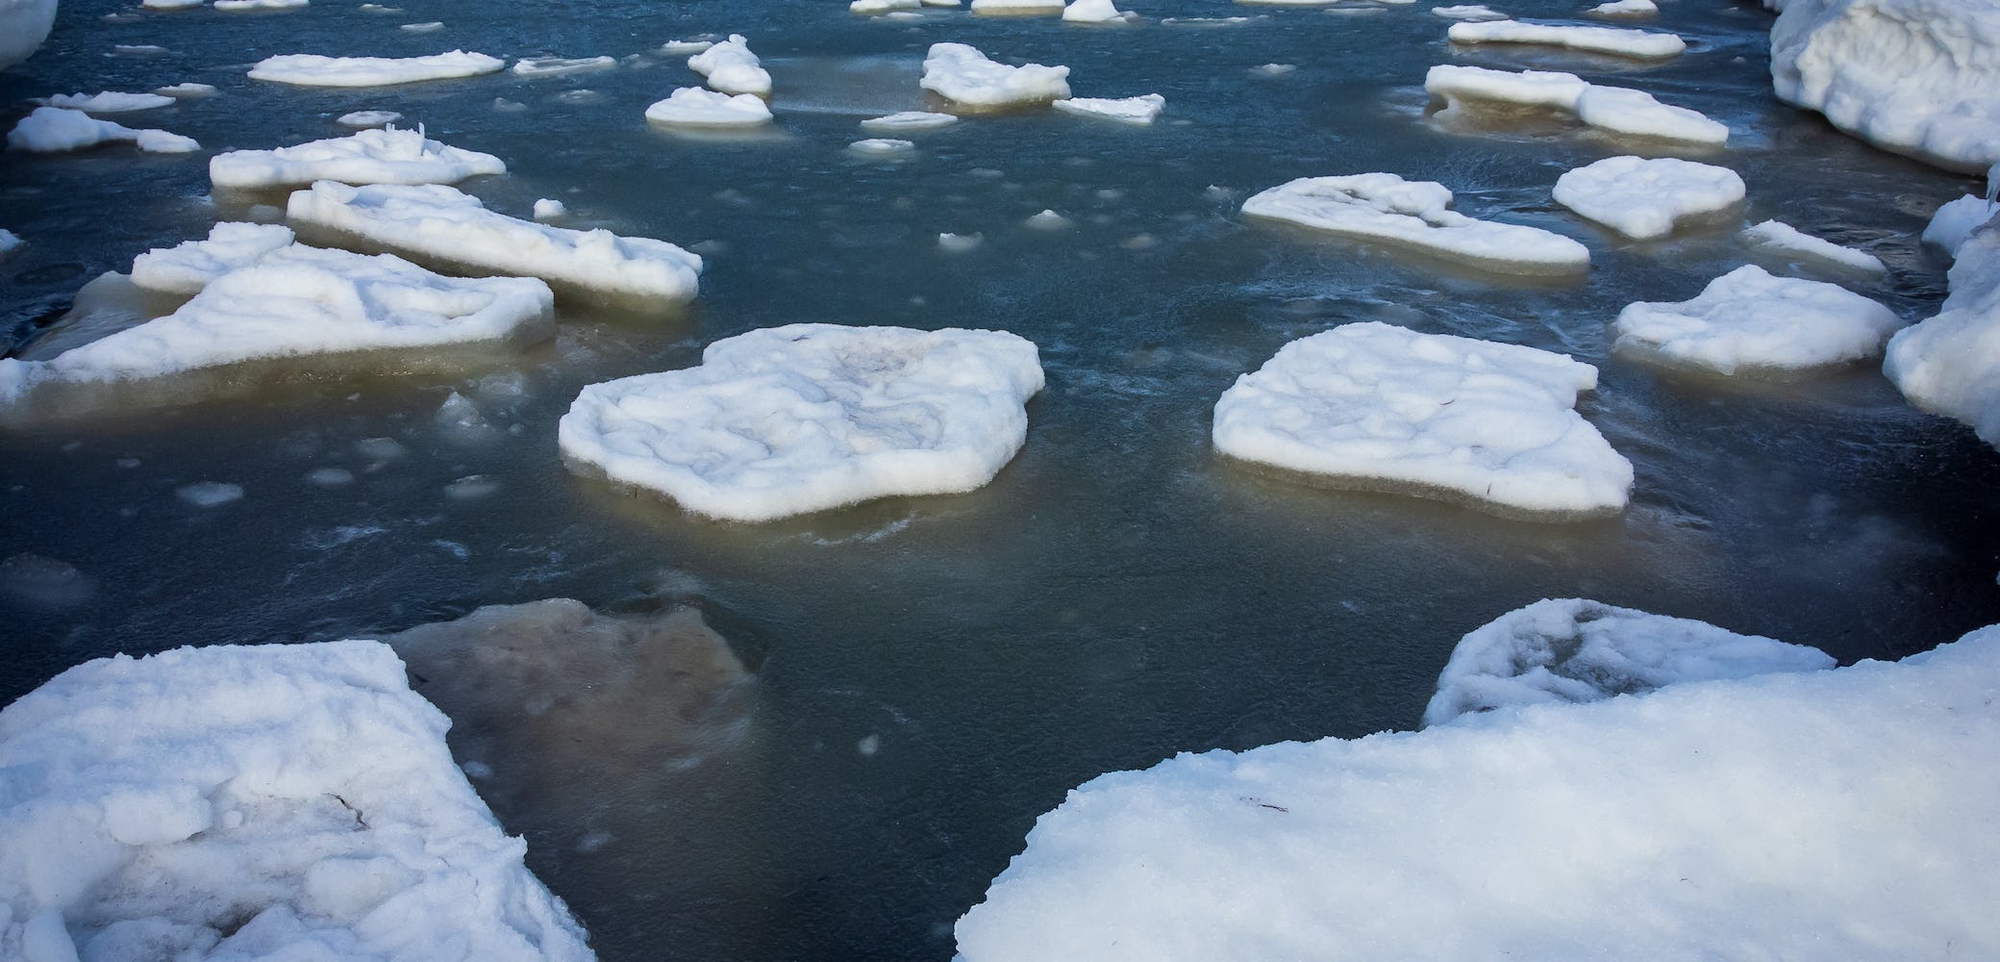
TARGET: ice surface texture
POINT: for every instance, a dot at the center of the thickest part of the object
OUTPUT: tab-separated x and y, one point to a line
1418	214
962	74
53	130
1617	110
731	68
368	157
189	267
293	801
696	107
1748	321
1950	364
787	420
1616	41
1376	406
1646	199
310	70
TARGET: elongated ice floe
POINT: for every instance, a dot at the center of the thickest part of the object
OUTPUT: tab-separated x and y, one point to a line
250	6
909	120
560	66
1646	199
1777	237
787	420
189	267
1093	11
1619	9
388	156
1748	321
731	68
1616	41
1417	214
1617	110
1468	11
1140	110
294	801
441	225
963	75
108	102
312	70
54	130
699	107
367	118
1772	816
1017	8
1379	407
883	6
1950	364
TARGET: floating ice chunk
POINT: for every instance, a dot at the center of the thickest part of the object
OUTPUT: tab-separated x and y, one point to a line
24	24
108	102
9	241
1747	321
1385	207
53	130
943	3
188	268
731	68
1625	8
558	66
1468	11
1129	110
186	90
1646	199
138	49
1616	41
44	584
548	208
281	801
1955	221
1288	3
171	4
1017	8
1634	113
209	494
1048	220
1782	238
388	156
1950	364
296	302
1092	11
908	120
310	70
806	417
368	118
1378	407
883	6
1766	816
428	26
683	48
696	107
245	6
1913	76
438	223
959	243
1274	69
881	145
962	74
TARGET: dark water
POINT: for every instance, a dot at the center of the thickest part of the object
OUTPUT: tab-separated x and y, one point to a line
1118	594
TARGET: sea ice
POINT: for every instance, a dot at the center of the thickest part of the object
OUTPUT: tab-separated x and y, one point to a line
558	66
1625	8
278	801
311	70
1782	238
1379	407
908	120
1128	110
683	48
548	208
1616	41
1385	207
1950	364
1617	110
1953	223
1092	11
731	68
883	6
959	243
188	268
1017	8
962	74
24	24
1748	321
1645	199
1047	220
53	130
171	4
805	417
368	118
247	6
697	107
209	494
187	89
9	240
1468	11
108	102
388	156
881	145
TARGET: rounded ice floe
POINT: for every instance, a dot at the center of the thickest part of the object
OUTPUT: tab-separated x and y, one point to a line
1139	110
1625	8
368	118
1913	76
559	66
442	225
731	68
1616	110
188	268
1047	220
1092	11
54	130
881	145
1378	407
806	417
548	208
108	102
1417	214
1570	651
1616	41
1953	223
1950	364
699	107
959	243
388	156
1468	11
1777	237
1748	321
1017	8
908	120
294	801
24	24
962	74
1645	199
311	70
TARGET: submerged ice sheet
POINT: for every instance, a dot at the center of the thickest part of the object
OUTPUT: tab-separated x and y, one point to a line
698	107
1417	214
312	70
731	68
1748	321
388	156
1647	199
1617	110
1950	363
962	74
1616	41
54	130
1140	110
189	267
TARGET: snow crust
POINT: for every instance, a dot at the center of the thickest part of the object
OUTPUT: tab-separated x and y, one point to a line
1140	110
1748	321
388	156
1616	41
963	74
108	102
54	130
189	267
1617	110
1783	238
697	107
1092	11
908	120
1950	364
731	68
24	24
312	70
806	417
273	802
1385	207
1375	406
1953	223
1646	199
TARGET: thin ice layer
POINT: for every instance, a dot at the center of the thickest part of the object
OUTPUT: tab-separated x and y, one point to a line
1647	199
312	70
1841	814
696	107
293	801
189	267
1572	651
1617	110
909	120
962	74
1140	110
1616	41
388	156
1377	406
438	223
1750	321
54	130
787	420
1385	207
1782	238
1950	364
731	68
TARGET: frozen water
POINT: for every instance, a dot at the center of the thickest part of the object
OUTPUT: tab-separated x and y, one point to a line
731	68
697	107
1416	214
312	70
1017	8
548	208
1615	41
908	120
1955	221
246	6
1092	11
108	102
1468	11
883	6
9	240
368	118
209	494
1950	364
881	145
182	91
1625	8
388	156
189	267
1616	110
558	66
1047	220
959	243
1139	110
54	130
963	75
1647	199
24	24
1748	322
1778	237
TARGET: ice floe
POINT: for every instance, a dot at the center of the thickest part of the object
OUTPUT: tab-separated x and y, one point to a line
963	75
1017	8
1379	407
209	494
1646	199
959	243
279	801
805	417
548	208
1778	237
1093	11
559	66
908	120
731	68
9	241
171	4
1625	8
189	267
24	24
881	145
1417	214
368	118
1047	220
1615	41
108	102
700	107
883	6
1953	223
1468	11
1139	110
683	48
250	6
312	70
1617	110
1950	364
186	90
1748	321
387	156
54	130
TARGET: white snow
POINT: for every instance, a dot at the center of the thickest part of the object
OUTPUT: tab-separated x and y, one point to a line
1092	11
698	107
53	130
559	66
387	156
1047	220
368	118
1617	110
964	75
908	120
883	6
682	48
24	24
1913	76
805	417
1782	238
271	802
1955	221
189	267
881	145
1645	199
1750	321
441	224
1380	407
1139	110
107	102
731	68
1950	364
1385	207
1616	41
1625	8
246	6
548	208
1016	8
311	70
1468	11
1839	814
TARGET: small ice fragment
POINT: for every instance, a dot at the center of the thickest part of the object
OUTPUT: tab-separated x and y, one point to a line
209	494
879	146
1782	238
548	208
471	486
1747	321
1274	69
9	241
368	118
380	449
908	120
1617	110
867	747
963	74
959	243
428	26
1092	11
1645	199
1615	41
696	107
1048	220
329	477
507	106
558	66
245	6
683	48
171	4
107	102
1625	8
731	68
42	583
1017	8
1418	214
53	130
188	89
1468	11
1139	110
882	6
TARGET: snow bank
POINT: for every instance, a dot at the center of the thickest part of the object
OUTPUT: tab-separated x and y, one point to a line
731	68
189	267
962	74
1379	407
1953	223
107	102
806	417
1836	814
1139	110
388	156
24	24
1646	199
438	223
1747	321
282	801
1616	41
310	70
1616	110
1385	207
1782	238
53	130
1092	11
1950	364
908	120
1913	76
696	107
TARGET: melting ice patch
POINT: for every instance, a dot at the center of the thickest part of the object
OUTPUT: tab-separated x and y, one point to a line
1647	199
1617	110
388	156
1748	321
368	118
908	120
1017	8
962	74
1615	41
1418	214
1093	11
559	66
311	70
696	107
54	130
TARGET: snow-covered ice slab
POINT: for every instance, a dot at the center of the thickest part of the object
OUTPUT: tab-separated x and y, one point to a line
1468	11
1842	814
1093	11
55	130
1620	9
1417	214
1646	199
560	66
787	420
277	801
963	75
1615	41
1778	237
388	156
108	102
1954	221
881	146
186	89
189	267
1750	322
908	120
1950	364
1017	8
1617	110
441	225
312	70
883	6
699	107
1379	407
731	68
1140	110
1913	76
